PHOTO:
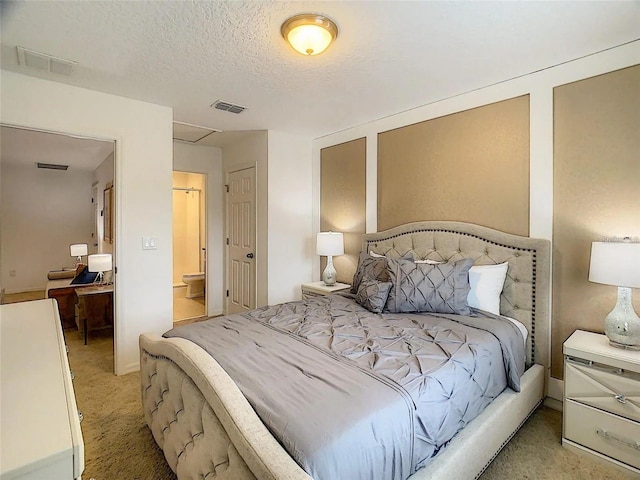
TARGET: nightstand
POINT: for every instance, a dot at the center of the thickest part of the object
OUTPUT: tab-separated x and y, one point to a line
601	410
315	289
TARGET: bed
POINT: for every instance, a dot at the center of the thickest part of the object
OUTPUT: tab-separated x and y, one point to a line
207	428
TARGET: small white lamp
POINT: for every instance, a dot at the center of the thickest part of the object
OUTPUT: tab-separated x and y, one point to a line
618	263
78	250
329	244
100	262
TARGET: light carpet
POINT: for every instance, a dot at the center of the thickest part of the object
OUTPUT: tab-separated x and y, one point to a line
119	445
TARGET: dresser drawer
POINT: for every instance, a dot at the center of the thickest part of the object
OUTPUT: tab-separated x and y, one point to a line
603	387
605	433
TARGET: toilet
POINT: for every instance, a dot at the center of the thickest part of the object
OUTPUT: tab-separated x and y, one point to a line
195	284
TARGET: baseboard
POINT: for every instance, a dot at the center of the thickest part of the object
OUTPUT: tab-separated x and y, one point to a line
132	367
556	389
552	403
24	290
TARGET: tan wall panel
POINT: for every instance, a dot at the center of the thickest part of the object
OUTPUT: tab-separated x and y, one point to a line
471	166
342	201
596	194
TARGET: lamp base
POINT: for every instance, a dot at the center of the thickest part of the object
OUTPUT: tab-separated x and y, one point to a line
622	325
329	276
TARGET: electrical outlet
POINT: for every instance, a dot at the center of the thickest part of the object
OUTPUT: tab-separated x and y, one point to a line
12	273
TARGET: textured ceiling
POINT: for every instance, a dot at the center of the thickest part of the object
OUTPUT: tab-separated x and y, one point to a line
390	56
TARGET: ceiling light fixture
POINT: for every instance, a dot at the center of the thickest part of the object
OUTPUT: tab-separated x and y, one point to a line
309	33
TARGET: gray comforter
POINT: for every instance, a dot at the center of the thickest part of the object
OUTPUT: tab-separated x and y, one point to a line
356	395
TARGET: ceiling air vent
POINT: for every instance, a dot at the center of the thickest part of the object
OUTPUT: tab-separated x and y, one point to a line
52	166
228	107
42	61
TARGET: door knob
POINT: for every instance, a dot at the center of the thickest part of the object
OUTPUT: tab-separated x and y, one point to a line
249	255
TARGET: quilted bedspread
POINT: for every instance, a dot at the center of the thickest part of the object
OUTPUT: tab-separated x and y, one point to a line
356	395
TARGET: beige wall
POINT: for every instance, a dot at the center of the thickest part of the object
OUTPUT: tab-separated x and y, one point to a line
471	166
596	193
342	201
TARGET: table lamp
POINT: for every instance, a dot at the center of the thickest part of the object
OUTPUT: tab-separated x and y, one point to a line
329	244
100	262
78	250
618	263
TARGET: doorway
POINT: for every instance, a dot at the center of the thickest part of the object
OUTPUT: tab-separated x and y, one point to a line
52	185
189	246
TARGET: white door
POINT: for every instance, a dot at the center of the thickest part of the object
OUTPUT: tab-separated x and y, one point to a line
241	238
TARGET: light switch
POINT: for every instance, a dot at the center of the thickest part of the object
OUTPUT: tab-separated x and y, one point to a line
149	243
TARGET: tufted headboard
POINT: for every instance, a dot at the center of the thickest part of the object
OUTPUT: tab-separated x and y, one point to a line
525	296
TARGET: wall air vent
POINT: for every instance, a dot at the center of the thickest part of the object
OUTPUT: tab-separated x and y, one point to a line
228	107
43	61
52	166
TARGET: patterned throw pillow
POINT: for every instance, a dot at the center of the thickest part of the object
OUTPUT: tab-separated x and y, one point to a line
422	287
375	267
372	294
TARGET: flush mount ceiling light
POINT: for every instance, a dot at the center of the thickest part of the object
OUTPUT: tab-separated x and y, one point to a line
308	33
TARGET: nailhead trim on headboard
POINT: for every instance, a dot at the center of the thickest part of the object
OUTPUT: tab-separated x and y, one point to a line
533	252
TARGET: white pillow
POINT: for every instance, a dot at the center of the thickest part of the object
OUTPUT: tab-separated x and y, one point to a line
375	255
428	262
486	283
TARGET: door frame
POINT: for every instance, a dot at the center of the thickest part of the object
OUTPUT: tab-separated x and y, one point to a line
117	207
233	169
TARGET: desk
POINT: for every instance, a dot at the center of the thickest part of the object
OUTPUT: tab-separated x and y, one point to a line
95	308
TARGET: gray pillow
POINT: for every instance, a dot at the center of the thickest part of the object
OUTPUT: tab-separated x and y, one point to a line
422	287
374	267
372	294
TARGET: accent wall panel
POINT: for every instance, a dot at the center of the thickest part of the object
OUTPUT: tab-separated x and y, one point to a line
471	166
595	194
343	201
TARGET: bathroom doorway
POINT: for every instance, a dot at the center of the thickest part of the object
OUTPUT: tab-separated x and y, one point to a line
189	246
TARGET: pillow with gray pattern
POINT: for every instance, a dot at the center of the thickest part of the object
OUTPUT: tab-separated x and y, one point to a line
375	267
372	294
423	287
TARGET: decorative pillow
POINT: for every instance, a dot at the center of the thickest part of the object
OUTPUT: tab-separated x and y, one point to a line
486	283
85	276
372	294
375	267
423	287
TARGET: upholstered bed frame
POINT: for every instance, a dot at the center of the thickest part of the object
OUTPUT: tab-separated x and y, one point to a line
204	424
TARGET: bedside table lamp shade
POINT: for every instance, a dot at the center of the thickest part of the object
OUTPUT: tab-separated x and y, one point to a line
78	250
329	244
618	264
100	262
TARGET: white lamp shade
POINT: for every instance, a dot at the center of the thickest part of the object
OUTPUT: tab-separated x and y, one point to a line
78	249
615	263
330	243
100	262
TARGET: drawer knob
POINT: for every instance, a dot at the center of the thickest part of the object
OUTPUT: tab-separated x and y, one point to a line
621	398
71	374
80	416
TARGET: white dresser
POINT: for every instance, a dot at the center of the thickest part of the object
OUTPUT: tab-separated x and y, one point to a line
40	436
601	412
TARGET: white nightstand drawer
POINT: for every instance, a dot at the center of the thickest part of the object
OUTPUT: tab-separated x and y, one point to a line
603	387
608	434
